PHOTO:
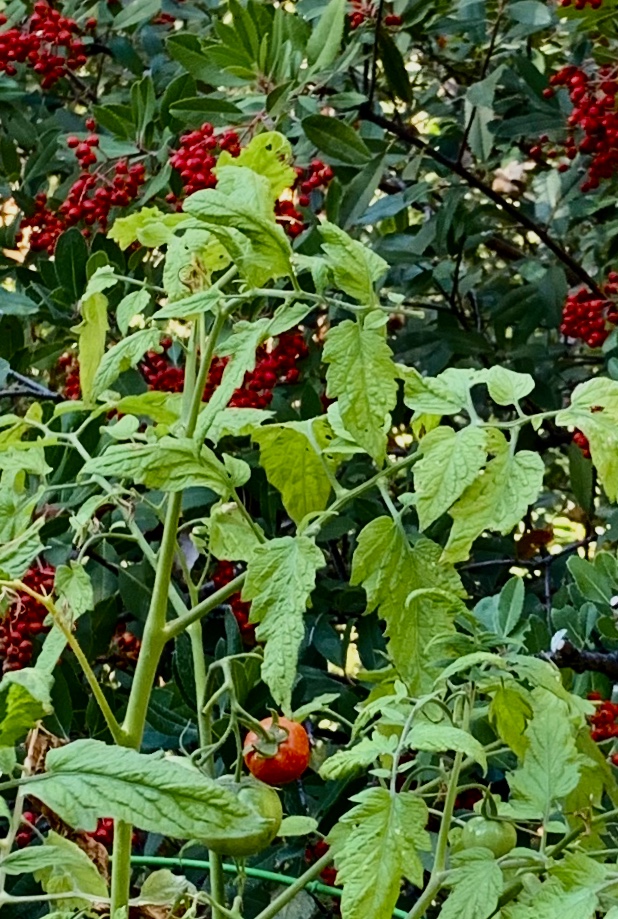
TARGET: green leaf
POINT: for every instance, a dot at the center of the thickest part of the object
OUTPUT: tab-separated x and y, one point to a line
430	395
391	571
103	278
325	40
397	76
237	422
544	779
297	826
122	356
166	888
148	226
450	462
69	869
439	738
88	779
362	376
292	456
17	555
92	332
507	387
162	407
73	588
75	593
531	13
359	757
501	614
204	301
132	305
239	212
593	584
231	535
354	268
171	465
70	257
24	699
280	578
190	261
269	155
195	110
136	12
336	139
476	884
497	500
15	303
594	410
376	844
510	712
551	901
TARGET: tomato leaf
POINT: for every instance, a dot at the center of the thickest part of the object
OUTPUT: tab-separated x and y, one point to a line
376	844
280	578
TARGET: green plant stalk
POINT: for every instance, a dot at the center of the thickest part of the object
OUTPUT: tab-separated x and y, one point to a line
276	905
425	900
217	881
154	638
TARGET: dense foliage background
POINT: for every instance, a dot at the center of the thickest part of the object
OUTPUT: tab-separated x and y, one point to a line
471	146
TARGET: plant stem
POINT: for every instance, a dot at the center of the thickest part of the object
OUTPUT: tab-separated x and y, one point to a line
425	900
155	635
288	895
121	869
447	816
177	626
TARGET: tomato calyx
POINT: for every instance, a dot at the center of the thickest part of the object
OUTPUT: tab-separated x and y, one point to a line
268	740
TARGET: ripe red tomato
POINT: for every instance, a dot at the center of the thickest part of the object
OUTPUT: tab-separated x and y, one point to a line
283	760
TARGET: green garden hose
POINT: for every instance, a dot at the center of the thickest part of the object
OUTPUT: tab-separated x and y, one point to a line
313	886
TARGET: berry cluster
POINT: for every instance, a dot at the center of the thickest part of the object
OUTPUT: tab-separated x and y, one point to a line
604	722
89	200
24	620
594	116
365	11
222	575
125	647
582	4
49	43
160	373
25	833
272	368
588	317
68	365
313	853
316	177
197	155
580	440
104	832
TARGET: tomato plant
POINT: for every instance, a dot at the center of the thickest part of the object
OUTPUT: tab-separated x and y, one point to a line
309	401
281	755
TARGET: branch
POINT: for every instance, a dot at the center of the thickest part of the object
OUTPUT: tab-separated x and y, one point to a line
32	387
572	658
541	561
413	139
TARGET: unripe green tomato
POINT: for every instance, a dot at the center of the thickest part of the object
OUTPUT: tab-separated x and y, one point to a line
263	801
496	835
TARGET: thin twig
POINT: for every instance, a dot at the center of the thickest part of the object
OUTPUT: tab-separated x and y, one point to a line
413	139
374	58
